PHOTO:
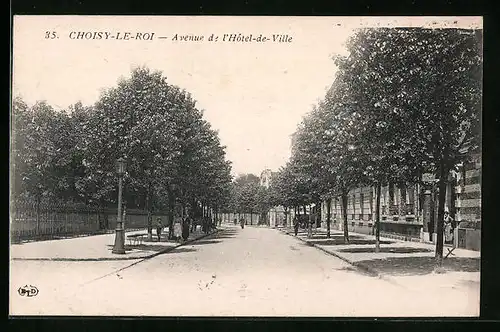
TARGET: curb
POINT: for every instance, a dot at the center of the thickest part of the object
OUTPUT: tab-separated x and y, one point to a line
359	265
163	251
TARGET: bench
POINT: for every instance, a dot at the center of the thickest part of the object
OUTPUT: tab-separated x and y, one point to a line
136	238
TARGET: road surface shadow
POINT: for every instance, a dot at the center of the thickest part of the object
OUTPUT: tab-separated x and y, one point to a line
395	250
208	241
164	238
340	241
335	237
145	247
224	234
179	250
421	265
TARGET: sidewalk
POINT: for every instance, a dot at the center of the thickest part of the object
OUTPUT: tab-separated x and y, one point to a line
396	257
97	248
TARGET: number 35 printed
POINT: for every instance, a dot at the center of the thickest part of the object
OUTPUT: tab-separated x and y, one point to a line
50	35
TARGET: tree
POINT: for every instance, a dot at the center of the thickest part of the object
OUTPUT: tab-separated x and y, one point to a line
263	202
246	188
308	157
133	120
275	193
34	149
173	157
330	145
419	90
386	147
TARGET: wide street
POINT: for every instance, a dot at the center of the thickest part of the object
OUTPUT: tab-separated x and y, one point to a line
256	271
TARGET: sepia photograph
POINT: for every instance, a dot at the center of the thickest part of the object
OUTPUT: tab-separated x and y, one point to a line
245	166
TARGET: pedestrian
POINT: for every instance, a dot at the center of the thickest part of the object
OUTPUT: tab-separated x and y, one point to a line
242	223
235	221
296	225
159	227
448	228
194	224
205	225
185	227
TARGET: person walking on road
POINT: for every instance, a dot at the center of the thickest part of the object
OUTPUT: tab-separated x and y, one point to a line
159	227
185	227
242	223
194	224
206	225
296	225
448	228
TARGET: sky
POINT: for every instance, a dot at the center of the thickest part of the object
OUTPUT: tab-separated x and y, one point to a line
254	94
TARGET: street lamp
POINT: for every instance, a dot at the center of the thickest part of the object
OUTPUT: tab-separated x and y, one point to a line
119	247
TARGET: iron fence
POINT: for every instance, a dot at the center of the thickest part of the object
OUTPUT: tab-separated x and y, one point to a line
38	220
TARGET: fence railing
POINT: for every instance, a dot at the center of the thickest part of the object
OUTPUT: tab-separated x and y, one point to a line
30	220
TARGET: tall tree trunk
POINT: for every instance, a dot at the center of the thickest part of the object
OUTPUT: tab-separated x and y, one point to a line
150	215
285	211
184	210
309	226
344	215
328	216
216	215
251	217
377	216
203	218
391	200
170	215
443	179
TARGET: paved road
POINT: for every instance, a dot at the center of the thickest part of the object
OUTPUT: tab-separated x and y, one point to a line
250	272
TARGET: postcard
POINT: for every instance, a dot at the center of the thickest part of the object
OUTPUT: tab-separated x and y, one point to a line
256	166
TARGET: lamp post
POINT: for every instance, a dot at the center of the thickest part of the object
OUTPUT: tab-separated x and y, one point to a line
119	247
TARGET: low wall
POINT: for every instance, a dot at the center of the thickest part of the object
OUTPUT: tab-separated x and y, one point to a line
367	227
469	239
136	219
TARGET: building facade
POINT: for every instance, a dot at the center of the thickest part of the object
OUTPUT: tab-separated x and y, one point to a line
410	210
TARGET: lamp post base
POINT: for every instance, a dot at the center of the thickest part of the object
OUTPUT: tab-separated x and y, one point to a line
119	247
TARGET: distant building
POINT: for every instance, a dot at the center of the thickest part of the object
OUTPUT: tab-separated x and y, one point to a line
275	216
265	178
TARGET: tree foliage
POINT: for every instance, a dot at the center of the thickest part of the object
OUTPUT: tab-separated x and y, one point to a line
404	102
172	154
